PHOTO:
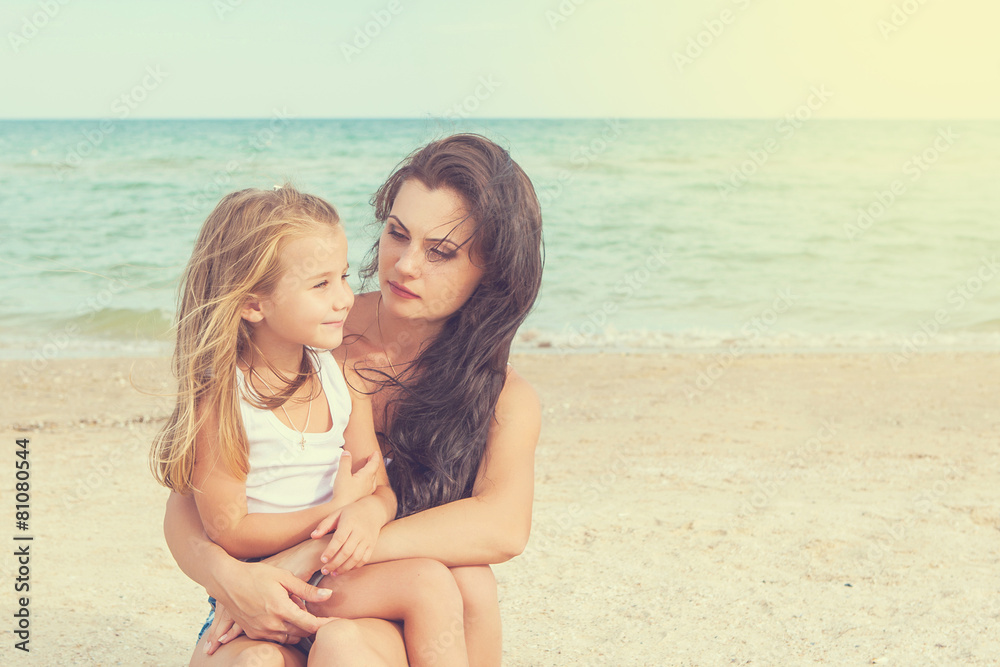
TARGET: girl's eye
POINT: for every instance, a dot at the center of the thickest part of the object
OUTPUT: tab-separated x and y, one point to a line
345	276
322	284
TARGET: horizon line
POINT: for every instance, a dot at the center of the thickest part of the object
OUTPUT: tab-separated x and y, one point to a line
490	118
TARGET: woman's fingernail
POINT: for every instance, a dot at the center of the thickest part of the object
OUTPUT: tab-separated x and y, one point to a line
222	639
208	646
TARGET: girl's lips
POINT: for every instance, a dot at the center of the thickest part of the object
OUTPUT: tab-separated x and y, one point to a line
401	291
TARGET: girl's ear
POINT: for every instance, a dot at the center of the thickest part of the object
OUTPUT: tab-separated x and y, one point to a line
251	311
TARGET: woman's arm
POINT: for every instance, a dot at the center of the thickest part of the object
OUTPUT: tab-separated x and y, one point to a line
493	525
256	594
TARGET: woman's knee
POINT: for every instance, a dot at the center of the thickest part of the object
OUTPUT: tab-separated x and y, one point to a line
265	654
478	587
341	632
337	636
432	581
244	652
345	643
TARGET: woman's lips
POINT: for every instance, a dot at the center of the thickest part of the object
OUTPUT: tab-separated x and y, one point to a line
401	291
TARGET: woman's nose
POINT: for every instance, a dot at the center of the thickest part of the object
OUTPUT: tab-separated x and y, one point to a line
409	261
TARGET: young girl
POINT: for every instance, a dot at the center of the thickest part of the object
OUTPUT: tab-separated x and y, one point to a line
265	428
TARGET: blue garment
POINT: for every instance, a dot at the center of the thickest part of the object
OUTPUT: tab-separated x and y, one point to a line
208	621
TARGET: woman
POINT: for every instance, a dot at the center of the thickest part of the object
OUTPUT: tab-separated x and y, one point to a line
459	266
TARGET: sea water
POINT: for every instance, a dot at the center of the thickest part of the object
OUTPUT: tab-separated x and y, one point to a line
659	234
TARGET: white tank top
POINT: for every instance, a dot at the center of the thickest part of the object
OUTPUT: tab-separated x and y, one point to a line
284	476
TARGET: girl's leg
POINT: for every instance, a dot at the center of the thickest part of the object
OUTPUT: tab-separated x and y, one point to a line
420	592
481	606
363	642
246	652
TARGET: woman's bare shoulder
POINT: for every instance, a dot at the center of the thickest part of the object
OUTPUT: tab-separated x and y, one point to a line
518	399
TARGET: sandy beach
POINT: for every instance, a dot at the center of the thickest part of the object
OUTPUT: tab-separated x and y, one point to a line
794	510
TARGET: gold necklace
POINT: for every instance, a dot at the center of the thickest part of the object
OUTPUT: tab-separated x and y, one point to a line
302	433
378	321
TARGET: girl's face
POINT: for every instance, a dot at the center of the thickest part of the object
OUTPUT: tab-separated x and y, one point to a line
425	269
312	298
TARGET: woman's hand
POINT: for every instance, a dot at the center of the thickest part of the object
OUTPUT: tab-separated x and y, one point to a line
223	629
349	487
302	561
257	597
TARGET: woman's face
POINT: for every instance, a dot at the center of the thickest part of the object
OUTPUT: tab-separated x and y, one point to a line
425	267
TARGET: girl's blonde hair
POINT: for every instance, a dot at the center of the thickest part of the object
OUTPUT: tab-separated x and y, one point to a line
235	259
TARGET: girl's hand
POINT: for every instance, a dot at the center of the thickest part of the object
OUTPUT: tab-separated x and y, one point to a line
351	545
349	487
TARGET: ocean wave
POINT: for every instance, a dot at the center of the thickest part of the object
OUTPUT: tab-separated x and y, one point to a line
119	324
124	332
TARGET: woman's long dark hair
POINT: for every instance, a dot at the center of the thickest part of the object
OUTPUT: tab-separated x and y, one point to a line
438	421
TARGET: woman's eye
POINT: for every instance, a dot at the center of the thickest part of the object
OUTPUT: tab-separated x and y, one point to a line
397	235
437	255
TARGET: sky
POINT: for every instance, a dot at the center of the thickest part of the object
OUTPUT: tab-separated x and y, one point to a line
520	58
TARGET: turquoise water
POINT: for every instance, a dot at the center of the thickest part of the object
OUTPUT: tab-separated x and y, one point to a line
659	233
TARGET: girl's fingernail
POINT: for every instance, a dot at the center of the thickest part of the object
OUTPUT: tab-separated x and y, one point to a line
324	571
324	558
